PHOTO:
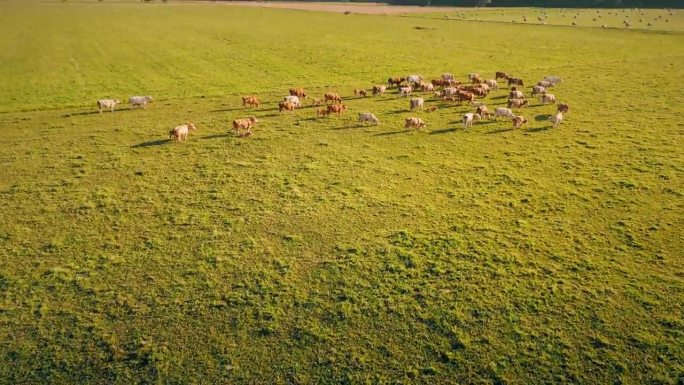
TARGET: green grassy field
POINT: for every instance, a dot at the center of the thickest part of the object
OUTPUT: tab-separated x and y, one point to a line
318	251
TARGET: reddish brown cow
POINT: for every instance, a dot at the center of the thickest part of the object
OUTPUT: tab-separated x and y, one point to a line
333	97
395	81
515	81
251	101
337	109
563	108
286	106
298	92
501	75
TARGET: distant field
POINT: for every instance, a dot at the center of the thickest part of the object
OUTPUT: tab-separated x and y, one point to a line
319	251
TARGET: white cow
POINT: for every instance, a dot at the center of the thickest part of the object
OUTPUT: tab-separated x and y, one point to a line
107	103
140	101
505	112
469	118
368	117
294	100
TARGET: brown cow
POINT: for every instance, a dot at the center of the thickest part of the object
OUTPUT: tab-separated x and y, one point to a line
333	97
563	108
336	109
244	124
298	92
250	101
464	96
361	93
482	111
515	81
501	75
395	81
518	121
316	102
322	112
517	103
287	106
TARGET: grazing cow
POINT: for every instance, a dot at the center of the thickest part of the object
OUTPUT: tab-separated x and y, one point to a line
518	121
563	108
492	84
140	101
316	102
405	91
473	76
322	112
557	119
476	79
483	111
368	117
538	90
517	103
431	109
465	96
515	94
379	89
395	81
416	103
180	133
553	79
245	123
545	84
414	79
107	103
251	101
447	76
501	75
414	123
332	97
427	87
515	81
450	91
286	106
548	98
294	100
361	93
443	82
337	109
298	92
469	118
503	112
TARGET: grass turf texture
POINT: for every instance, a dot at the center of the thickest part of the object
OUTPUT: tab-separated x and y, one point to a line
318	251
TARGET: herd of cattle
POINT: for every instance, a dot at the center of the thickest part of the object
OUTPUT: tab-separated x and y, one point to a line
444	89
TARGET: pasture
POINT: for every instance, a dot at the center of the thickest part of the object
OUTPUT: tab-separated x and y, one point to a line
319	251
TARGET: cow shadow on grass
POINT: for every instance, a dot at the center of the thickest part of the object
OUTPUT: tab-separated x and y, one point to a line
151	143
347	127
538	129
500	130
82	113
217	136
443	131
541	118
388	133
229	109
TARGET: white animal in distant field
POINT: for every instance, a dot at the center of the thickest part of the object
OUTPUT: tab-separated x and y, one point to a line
140	101
469	118
557	119
180	133
294	100
107	103
368	117
503	112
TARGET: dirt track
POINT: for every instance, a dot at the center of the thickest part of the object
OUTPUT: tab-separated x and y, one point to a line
367	8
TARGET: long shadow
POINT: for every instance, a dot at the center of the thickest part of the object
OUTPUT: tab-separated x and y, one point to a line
443	131
541	118
216	136
347	127
499	131
390	133
233	109
499	97
151	143
538	129
84	113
